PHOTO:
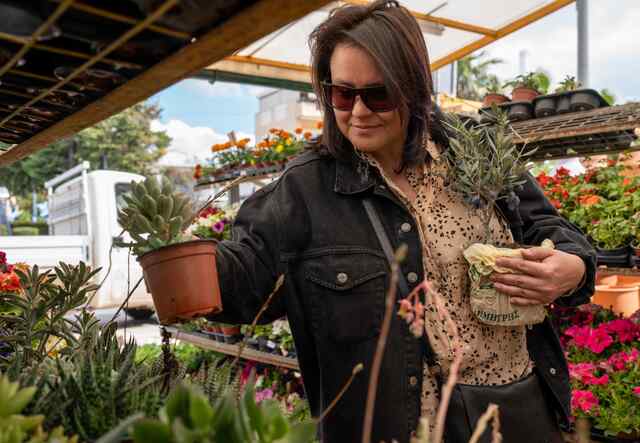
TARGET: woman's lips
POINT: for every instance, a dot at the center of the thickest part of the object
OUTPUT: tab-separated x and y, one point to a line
364	129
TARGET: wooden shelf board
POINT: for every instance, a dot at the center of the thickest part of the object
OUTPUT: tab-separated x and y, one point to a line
604	271
205	342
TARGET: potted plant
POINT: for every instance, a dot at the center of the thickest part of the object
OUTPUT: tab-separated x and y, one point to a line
526	87
180	272
494	93
484	166
563	104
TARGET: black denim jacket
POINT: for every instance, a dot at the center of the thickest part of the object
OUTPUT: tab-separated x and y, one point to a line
311	226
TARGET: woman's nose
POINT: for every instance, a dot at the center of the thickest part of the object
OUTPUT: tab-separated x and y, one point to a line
359	108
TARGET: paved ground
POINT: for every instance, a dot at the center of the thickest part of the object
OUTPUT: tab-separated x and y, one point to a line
146	331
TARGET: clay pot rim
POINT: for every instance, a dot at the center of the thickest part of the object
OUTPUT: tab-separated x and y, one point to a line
163	248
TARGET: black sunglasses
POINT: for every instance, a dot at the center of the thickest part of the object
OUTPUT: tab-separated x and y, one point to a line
343	98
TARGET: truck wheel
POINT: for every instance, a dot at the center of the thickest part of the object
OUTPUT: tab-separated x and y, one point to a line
139	313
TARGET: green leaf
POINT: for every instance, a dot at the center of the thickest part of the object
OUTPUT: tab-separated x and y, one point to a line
147	430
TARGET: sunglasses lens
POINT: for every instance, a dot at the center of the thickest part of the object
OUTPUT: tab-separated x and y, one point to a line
377	99
341	98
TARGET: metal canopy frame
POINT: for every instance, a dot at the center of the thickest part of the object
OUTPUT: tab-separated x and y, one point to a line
248	22
272	72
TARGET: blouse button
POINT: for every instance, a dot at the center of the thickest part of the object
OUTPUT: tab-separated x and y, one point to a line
405	227
412	277
552	371
413	380
342	278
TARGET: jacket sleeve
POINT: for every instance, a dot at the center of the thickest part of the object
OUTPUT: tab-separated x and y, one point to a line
540	220
248	266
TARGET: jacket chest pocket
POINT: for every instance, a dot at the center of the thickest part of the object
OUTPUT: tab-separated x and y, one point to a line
347	292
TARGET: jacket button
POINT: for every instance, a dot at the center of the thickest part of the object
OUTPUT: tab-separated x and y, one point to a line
412	277
413	380
552	371
405	227
342	278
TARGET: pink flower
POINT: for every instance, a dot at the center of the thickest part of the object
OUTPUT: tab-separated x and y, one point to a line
584	401
265	394
626	330
602	380
3	258
636	391
580	335
599	340
218	227
584	372
619	360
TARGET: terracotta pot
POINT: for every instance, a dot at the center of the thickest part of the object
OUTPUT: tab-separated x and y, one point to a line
492	98
183	280
622	299
230	330
523	94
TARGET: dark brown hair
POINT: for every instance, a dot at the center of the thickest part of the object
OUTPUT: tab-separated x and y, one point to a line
392	37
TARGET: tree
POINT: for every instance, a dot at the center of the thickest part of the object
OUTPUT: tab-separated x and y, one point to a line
123	142
473	76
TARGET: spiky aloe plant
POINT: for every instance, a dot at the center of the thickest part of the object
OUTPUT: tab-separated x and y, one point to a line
156	215
485	165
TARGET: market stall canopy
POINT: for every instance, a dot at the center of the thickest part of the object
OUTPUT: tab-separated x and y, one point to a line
452	30
68	64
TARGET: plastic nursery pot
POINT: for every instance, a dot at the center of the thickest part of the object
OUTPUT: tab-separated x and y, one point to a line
231	333
492	98
183	280
563	104
544	106
519	111
524	94
585	100
617	257
624	299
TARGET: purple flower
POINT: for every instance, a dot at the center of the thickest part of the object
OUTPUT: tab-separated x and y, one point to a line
265	394
218	227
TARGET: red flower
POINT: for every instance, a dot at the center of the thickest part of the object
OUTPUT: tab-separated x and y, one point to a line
626	330
584	401
562	172
9	282
556	203
543	179
611	162
197	173
588	200
599	340
3	258
636	391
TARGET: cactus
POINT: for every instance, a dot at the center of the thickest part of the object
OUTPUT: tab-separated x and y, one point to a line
156	215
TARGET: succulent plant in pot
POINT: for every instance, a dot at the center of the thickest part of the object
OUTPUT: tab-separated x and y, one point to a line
179	271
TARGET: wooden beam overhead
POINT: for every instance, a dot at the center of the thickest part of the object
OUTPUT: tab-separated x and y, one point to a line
502	32
449	23
235	33
266	62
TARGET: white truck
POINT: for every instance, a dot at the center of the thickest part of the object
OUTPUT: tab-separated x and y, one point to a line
83	226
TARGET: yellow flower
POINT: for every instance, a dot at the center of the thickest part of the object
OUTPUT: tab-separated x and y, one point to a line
279	148
288	142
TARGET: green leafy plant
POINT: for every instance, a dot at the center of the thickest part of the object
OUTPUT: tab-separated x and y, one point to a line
189	417
34	320
534	80
494	86
18	428
155	216
485	165
568	84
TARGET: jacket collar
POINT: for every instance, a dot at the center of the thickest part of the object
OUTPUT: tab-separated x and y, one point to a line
349	181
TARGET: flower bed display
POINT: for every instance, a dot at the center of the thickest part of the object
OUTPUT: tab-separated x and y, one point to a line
270	154
603	353
604	203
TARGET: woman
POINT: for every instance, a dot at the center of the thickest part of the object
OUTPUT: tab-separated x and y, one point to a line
370	68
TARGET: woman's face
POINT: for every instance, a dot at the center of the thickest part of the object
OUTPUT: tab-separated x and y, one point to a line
381	134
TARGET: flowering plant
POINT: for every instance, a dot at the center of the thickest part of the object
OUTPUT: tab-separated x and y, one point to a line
9	280
603	202
213	223
603	353
276	148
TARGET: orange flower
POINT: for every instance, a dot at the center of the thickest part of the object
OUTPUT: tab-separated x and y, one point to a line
228	144
626	181
9	282
319	125
298	131
588	200
274	130
243	143
308	135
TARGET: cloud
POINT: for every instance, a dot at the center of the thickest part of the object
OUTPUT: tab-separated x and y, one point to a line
222	89
190	145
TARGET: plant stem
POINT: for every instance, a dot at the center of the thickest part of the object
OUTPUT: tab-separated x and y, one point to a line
356	369
377	358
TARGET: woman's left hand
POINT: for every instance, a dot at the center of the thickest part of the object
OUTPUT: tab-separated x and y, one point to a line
541	276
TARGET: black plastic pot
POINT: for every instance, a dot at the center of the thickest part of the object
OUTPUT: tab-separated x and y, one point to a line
563	104
262	344
544	106
252	343
585	100
519	111
618	257
232	339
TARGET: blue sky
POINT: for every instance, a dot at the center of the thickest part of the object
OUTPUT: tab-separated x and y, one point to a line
197	114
